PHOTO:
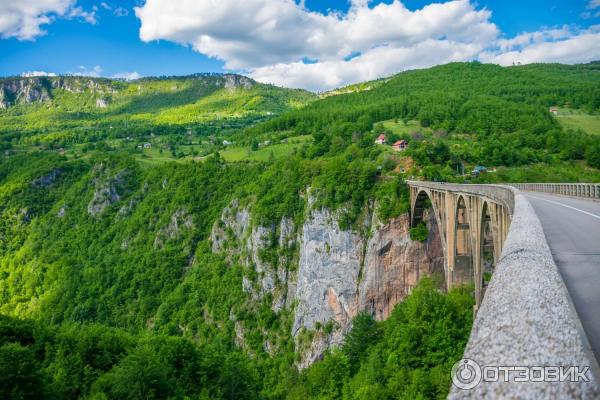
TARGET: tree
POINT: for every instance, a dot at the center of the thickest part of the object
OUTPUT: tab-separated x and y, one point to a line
419	232
364	333
20	376
593	156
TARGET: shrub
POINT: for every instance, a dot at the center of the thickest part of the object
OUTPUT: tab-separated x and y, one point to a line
419	233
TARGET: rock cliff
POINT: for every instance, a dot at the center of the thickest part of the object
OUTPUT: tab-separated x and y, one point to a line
332	274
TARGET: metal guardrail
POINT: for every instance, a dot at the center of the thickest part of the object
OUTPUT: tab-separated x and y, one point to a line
585	190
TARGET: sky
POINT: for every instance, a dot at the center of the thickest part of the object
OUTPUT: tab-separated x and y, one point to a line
312	44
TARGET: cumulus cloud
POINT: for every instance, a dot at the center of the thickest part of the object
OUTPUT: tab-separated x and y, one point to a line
94	72
128	76
564	45
23	19
282	42
30	74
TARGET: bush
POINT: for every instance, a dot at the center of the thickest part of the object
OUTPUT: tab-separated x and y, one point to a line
419	233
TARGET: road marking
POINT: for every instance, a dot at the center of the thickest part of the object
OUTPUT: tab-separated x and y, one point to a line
566	206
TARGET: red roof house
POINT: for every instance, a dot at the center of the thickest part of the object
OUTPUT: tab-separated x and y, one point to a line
380	139
400	145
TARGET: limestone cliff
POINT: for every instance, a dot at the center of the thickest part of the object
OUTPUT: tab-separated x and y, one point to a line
334	274
27	90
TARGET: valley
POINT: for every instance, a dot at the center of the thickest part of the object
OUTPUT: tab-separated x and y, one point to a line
213	237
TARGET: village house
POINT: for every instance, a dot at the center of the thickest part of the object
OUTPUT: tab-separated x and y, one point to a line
553	110
400	145
147	145
380	139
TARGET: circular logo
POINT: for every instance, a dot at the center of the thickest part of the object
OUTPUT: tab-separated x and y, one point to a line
466	374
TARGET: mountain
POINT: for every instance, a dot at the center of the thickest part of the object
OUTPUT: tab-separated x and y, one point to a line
36	105
277	262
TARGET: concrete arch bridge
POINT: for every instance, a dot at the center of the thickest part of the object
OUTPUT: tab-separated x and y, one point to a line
540	308
473	221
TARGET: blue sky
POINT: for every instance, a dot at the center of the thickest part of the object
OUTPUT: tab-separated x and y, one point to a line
92	38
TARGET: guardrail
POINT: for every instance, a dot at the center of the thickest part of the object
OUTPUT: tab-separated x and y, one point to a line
526	322
501	194
586	190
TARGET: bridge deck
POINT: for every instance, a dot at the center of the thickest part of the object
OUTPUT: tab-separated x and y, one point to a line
572	228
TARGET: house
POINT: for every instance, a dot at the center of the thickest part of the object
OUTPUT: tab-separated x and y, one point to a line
147	145
553	110
478	171
380	139
226	143
400	145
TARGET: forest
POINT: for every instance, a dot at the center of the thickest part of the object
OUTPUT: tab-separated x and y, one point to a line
109	283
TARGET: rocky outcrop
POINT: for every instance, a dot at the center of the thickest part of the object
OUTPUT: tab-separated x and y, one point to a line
232	81
108	189
180	220
262	248
27	90
340	272
23	90
327	282
394	264
47	180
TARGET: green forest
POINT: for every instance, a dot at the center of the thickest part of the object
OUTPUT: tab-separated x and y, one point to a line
109	285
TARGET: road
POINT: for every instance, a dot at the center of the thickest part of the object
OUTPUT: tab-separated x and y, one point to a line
572	228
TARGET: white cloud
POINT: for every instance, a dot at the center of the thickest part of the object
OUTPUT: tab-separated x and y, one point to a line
569	46
592	4
128	76
269	38
23	19
95	72
30	74
78	12
121	12
272	40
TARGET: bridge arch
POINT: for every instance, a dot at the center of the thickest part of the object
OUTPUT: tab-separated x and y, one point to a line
488	242
463	271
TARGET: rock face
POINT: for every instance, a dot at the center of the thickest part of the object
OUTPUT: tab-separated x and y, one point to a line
234	235
23	90
48	179
108	189
329	267
237	81
180	220
340	272
394	264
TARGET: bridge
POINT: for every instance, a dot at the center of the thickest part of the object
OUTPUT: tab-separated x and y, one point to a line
522	266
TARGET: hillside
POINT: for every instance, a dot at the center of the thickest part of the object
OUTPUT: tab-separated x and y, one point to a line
71	109
274	259
472	113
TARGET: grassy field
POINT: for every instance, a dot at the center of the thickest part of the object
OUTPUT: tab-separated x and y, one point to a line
575	119
400	128
235	153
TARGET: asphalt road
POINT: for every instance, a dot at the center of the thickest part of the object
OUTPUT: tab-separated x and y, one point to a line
572	228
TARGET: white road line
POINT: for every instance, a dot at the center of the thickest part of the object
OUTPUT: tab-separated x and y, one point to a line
566	206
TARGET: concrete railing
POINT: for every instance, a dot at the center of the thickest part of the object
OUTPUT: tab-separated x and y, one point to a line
587	190
499	193
527	320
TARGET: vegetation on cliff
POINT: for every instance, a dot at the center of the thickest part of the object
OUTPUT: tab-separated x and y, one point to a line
108	281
